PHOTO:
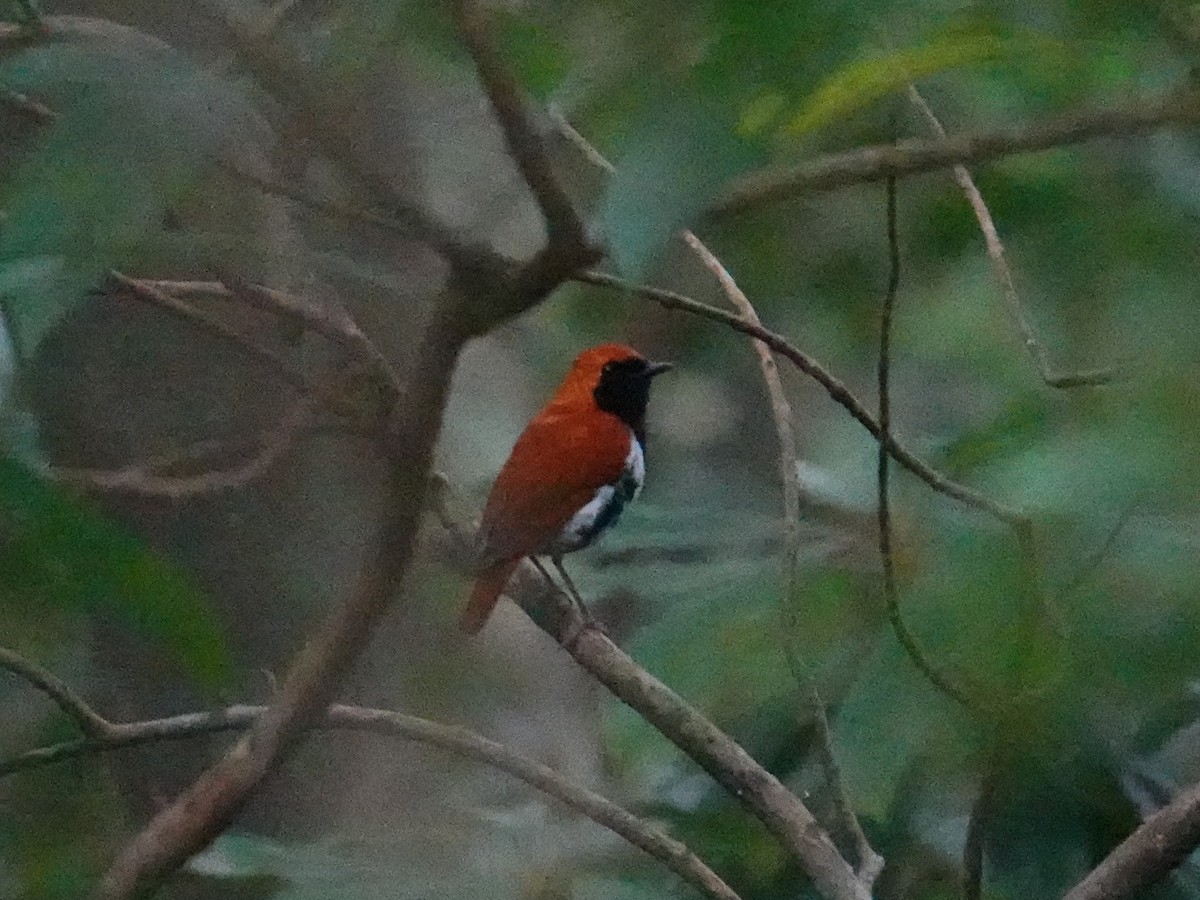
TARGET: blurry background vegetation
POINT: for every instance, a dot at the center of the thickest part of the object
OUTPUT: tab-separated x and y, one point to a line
151	606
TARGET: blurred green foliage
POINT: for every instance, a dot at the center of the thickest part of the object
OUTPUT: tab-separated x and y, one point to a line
1096	687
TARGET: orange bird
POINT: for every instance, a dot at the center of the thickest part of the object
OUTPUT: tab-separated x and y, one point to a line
571	472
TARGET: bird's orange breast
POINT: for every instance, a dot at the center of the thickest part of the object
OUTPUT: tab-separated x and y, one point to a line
566	453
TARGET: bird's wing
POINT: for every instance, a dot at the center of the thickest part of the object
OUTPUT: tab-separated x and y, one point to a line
555	468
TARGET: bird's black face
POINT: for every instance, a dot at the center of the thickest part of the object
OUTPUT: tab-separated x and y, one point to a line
624	390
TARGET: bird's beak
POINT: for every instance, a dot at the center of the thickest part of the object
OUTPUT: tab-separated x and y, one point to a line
657	368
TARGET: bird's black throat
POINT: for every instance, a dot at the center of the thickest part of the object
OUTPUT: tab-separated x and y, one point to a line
624	391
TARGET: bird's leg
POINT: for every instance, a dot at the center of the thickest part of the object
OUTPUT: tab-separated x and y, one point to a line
571	589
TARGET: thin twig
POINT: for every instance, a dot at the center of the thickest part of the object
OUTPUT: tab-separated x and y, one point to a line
836	389
910	157
155	296
152	478
1004	277
908	640
870	863
404	219
106	737
92	724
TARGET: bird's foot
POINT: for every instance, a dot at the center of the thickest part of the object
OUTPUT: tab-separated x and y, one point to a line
578	627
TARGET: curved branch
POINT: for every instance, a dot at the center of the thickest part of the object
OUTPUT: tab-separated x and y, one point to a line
911	157
673	854
904	634
833	386
1004	277
870	863
150	480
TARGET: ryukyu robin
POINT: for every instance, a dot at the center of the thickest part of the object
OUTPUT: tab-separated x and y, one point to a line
576	465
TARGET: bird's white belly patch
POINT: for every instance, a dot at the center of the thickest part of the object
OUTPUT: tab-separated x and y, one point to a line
605	506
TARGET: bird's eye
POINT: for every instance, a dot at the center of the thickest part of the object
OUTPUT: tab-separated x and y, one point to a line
608	368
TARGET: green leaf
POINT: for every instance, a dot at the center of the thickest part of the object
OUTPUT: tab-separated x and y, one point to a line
863	82
673	166
56	551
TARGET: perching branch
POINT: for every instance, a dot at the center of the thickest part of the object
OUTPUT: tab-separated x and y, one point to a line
911	157
784	815
1004	277
103	736
836	389
870	863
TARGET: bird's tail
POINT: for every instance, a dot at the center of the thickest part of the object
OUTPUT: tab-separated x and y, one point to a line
488	587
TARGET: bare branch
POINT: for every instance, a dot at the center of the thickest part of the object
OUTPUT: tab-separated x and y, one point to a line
28	107
675	855
1158	846
152	478
1004	277
525	145
784	815
403	219
870	863
912	157
156	296
92	724
836	389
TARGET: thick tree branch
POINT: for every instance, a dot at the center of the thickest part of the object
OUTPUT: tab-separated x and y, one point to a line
566	229
911	157
995	249
103	736
207	807
870	863
1158	846
767	799
836	389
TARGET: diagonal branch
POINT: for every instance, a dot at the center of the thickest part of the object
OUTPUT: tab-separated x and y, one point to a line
870	863
995	250
836	389
92	724
205	809
522	135
912	157
783	814
1156	847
